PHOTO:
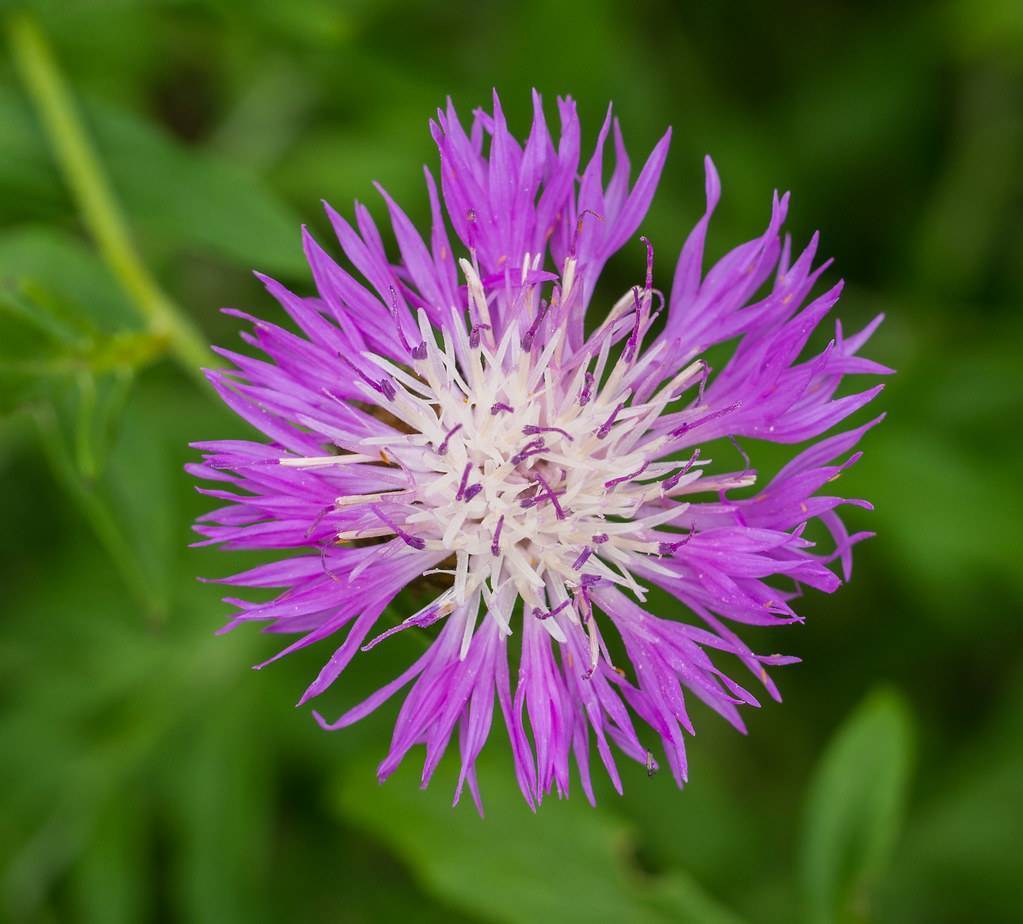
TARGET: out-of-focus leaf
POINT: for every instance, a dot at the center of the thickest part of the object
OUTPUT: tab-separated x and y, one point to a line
192	199
566	863
854	810
966	835
111	882
986	28
222	801
49	351
62	264
180	196
974	207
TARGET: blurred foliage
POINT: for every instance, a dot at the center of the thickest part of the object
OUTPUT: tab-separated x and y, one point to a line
147	775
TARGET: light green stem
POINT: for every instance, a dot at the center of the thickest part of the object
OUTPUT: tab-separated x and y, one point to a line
84	175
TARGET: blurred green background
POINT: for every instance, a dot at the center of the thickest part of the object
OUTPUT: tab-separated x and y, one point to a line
146	774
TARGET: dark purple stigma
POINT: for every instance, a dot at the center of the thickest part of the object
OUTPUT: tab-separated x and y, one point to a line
530	334
414	541
616	481
496	409
599	538
669	483
542	614
495	546
649	284
581	560
590	580
707	418
530	449
587	390
605	427
464	482
410	540
668	548
531	429
633	342
553	497
474	334
443	447
383	387
393	311
582	598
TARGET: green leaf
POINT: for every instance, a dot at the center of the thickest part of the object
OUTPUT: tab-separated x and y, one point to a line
568	862
62	265
193	199
181	197
110	882
222	802
854	810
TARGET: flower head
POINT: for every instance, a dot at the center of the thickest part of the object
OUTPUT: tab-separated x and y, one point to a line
466	413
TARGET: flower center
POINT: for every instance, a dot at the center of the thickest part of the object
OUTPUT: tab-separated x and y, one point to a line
536	466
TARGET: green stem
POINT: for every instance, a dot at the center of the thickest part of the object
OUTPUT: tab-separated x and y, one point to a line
84	175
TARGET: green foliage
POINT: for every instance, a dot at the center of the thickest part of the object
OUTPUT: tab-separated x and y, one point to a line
854	809
185	200
567	863
148	775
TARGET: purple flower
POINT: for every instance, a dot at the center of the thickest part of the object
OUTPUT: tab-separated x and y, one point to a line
453	413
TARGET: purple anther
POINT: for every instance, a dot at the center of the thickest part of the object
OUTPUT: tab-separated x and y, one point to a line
393	311
531	429
668	548
707	418
410	540
495	543
581	560
558	512
649	284
496	409
605	427
587	390
590	580
669	483
443	447
616	481
474	334
383	387
542	614
471	492
599	538
419	352
413	541
705	371
530	449
633	342
464	482
429	616
530	334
